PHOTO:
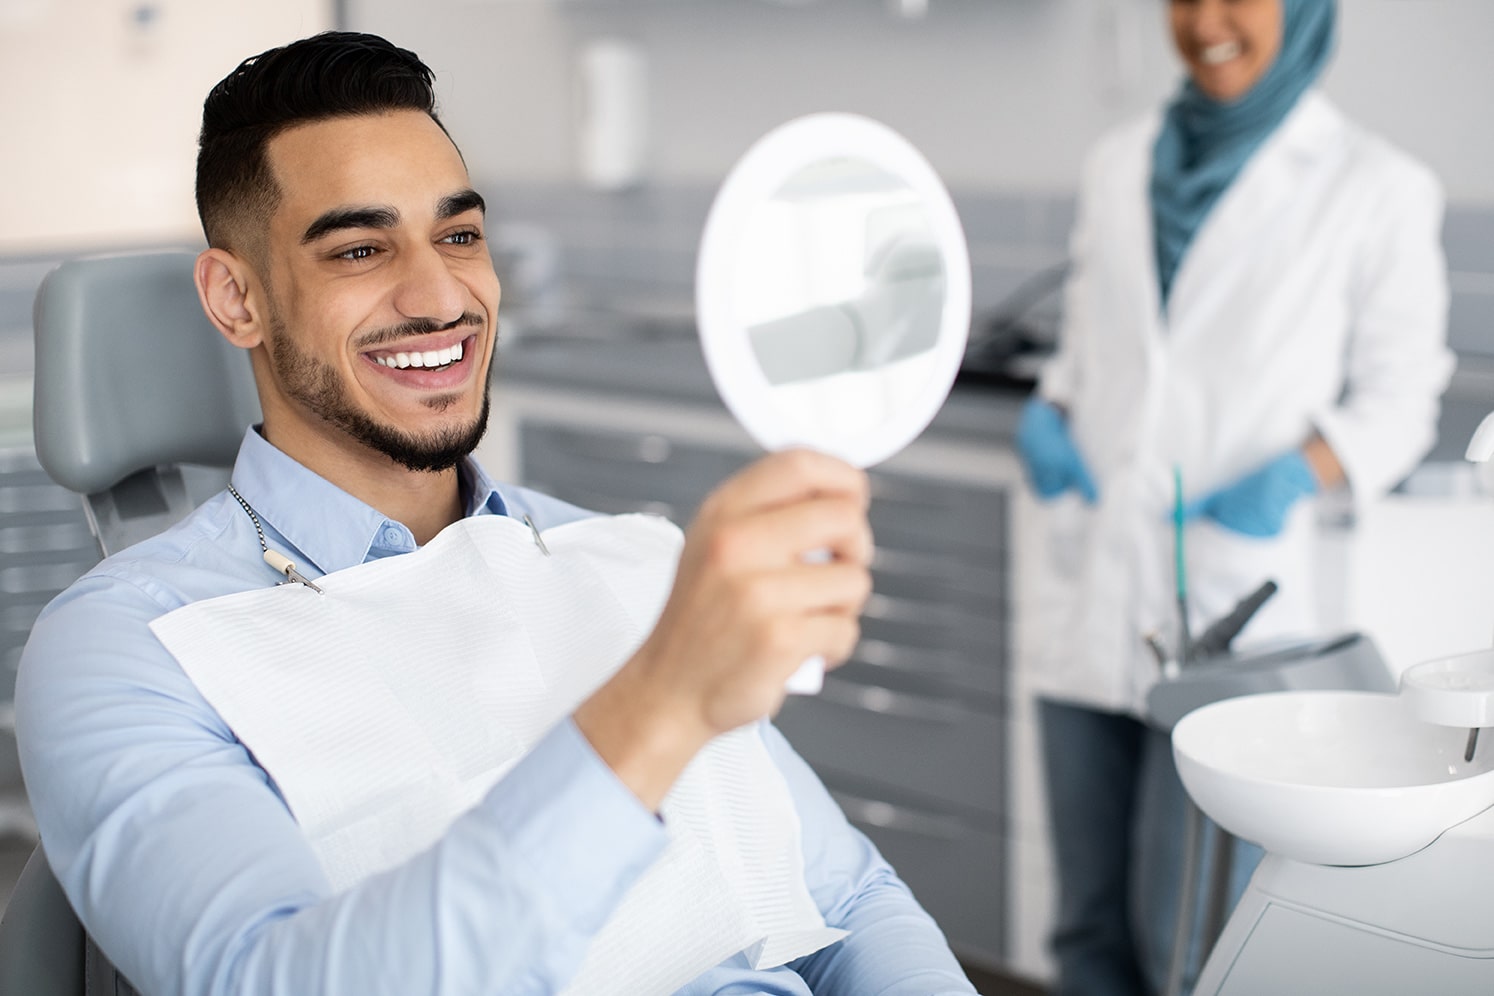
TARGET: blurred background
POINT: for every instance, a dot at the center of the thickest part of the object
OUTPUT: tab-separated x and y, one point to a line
598	130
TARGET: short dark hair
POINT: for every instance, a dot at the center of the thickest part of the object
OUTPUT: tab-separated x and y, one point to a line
330	75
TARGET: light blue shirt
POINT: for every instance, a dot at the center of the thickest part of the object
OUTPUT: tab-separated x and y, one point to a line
187	868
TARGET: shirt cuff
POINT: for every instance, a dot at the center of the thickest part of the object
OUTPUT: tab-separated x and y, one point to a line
581	830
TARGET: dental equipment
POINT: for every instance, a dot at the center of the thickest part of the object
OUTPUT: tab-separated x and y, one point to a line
1349	661
1180	566
279	562
1378	823
1217	638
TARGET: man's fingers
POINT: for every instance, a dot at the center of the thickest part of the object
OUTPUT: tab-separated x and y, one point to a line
806	589
817	529
784	478
792	641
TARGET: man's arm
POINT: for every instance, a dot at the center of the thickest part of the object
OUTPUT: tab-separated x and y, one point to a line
187	868
749	605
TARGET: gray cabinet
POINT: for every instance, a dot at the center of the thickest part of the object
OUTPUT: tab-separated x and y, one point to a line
910	735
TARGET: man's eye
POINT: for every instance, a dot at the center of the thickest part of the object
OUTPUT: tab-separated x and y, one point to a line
357	252
462	238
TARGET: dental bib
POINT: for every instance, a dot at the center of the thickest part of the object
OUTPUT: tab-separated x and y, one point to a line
387	707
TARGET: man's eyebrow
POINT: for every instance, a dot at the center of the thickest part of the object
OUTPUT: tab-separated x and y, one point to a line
356	217
454	204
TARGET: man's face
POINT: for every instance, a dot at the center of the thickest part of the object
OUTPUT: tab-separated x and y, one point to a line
381	294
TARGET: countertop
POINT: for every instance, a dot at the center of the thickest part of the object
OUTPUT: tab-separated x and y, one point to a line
669	366
674	369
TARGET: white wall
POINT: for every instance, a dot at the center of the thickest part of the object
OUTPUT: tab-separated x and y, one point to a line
1002	95
99	113
100	104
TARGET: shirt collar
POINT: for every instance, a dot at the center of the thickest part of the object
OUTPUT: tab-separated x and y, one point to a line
328	527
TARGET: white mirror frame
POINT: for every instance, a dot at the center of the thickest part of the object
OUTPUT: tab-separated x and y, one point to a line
757	177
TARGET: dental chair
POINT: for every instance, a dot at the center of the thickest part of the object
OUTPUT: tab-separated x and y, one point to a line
139	408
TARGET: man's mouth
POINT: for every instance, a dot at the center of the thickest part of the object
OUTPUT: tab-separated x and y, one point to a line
431	359
1216	55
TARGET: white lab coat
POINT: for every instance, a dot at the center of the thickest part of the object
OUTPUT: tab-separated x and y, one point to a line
1313	297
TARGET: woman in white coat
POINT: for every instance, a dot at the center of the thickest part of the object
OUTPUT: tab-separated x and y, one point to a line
1258	305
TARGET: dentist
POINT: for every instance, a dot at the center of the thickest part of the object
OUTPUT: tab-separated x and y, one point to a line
1258	299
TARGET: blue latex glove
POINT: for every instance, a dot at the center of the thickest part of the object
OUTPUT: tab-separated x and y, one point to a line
1257	504
1049	455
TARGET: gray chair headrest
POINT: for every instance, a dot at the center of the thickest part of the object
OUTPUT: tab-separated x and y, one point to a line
130	374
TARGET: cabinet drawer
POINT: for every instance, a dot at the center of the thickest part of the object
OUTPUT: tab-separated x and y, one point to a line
922	514
934	671
956	870
934	748
618	471
976	586
927	623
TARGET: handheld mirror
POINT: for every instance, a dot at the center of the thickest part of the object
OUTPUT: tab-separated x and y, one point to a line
833	293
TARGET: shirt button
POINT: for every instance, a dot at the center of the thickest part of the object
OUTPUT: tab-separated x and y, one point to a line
391	536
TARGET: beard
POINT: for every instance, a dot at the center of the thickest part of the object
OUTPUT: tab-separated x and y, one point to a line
318	387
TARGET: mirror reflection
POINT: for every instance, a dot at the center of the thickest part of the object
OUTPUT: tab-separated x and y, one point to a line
840	285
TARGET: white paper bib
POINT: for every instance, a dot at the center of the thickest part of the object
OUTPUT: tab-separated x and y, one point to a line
388	706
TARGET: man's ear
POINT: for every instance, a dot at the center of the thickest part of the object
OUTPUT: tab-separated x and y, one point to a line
228	290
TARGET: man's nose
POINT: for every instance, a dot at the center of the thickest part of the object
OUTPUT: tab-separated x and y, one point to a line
428	289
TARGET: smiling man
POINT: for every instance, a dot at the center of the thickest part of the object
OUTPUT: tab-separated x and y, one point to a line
574	786
373	296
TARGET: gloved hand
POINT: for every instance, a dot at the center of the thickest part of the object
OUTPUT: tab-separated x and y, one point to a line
1257	504
1051	459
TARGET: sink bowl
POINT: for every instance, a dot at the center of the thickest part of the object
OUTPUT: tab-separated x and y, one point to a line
1330	777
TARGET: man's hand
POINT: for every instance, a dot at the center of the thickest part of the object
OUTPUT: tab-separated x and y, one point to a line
747	608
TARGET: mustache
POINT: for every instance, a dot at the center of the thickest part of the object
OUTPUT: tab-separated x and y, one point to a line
416	326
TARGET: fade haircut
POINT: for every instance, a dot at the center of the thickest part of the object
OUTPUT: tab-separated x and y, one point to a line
330	75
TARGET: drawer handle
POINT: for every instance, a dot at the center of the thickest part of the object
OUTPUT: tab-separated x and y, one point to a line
954	568
886	702
891	656
885	815
895	609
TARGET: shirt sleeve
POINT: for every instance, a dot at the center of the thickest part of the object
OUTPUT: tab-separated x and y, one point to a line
894	948
187	868
1397	362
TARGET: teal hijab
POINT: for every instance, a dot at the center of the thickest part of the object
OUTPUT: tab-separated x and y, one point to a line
1204	143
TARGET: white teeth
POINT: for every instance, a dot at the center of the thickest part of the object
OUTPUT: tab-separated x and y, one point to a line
429	358
1220	53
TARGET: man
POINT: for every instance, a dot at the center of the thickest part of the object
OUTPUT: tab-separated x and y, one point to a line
346	254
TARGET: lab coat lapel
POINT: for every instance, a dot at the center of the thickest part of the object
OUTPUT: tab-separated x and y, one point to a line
1238	222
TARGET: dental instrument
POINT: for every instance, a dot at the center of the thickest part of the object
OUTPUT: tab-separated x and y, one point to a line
1180	566
278	561
1164	660
1222	632
538	539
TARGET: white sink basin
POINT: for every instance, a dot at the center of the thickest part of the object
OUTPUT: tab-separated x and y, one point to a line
1333	778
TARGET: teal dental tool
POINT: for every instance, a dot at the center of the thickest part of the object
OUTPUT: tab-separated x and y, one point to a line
1180	566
